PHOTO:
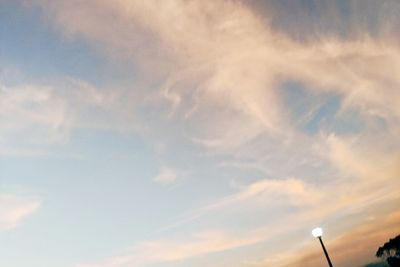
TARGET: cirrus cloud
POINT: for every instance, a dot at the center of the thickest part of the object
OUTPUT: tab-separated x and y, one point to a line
14	209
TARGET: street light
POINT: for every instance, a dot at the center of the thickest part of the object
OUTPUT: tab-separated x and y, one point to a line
317	232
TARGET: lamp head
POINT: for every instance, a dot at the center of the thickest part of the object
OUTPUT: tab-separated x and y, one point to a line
317	232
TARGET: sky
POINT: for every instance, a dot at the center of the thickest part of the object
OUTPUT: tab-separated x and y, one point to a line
198	133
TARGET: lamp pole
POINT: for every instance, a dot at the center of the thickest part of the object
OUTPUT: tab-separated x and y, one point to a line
317	232
326	252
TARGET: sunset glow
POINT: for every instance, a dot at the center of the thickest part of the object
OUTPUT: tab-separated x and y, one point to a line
200	133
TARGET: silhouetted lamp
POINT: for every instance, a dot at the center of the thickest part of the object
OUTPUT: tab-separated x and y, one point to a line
317	232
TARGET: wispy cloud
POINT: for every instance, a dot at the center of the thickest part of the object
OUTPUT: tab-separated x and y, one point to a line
220	60
14	209
264	194
36	117
234	63
201	243
285	191
220	72
167	175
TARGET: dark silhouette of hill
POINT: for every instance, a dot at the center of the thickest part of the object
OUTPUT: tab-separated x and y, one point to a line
378	264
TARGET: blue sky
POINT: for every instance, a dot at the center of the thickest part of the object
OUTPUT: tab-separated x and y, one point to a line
202	133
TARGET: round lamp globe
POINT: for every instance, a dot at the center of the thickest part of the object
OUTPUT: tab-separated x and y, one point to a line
317	232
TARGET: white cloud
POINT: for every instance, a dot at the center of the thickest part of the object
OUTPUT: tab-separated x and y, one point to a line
14	209
35	117
366	157
271	192
268	195
167	175
221	67
225	63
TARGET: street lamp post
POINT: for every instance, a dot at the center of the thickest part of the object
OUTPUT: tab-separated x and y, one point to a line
317	232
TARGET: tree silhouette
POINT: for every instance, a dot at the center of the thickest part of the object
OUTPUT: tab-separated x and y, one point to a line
390	251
